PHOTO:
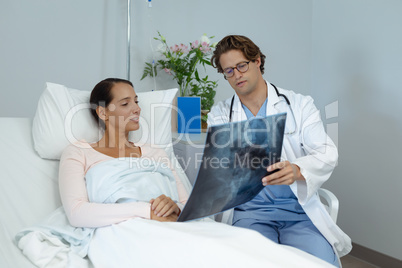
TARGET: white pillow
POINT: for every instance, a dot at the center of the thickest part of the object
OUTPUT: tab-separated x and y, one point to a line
63	116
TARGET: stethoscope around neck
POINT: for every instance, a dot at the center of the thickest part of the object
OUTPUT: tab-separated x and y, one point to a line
279	95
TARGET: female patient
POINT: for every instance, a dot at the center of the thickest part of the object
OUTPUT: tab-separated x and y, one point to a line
118	112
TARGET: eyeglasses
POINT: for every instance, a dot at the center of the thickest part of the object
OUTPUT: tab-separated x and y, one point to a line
241	67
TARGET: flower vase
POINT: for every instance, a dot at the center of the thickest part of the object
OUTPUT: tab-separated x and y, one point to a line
189	115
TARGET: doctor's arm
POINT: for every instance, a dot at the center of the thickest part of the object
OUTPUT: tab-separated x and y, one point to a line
320	157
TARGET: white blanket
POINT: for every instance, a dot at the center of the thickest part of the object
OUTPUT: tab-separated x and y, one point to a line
190	244
146	243
130	179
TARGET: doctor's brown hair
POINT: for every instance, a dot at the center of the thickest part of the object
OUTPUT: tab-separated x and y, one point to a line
101	95
237	42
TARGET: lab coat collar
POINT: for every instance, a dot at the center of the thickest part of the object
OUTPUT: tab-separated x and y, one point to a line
273	99
238	110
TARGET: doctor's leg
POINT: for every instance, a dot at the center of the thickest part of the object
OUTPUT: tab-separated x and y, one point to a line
305	236
270	231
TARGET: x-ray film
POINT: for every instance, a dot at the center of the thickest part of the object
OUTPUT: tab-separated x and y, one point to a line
236	157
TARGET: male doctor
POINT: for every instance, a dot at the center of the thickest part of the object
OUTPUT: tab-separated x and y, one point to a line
288	210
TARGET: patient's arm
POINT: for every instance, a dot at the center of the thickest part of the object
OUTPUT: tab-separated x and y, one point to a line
183	195
80	212
74	164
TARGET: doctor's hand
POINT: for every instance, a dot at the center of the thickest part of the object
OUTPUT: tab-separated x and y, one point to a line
163	208
287	174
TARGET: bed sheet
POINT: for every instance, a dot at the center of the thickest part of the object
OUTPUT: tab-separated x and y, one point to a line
28	187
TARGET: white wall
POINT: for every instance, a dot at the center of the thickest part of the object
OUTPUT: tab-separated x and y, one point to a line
357	61
76	43
345	51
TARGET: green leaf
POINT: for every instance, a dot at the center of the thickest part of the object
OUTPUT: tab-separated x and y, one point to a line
206	62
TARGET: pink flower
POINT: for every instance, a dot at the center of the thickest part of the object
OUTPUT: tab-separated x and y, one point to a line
179	48
194	44
184	49
205	47
167	71
175	48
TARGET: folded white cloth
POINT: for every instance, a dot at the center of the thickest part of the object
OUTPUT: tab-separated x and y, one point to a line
55	243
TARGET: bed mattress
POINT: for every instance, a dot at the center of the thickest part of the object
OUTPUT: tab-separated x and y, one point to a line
28	186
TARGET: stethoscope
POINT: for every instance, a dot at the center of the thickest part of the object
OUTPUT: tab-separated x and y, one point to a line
279	95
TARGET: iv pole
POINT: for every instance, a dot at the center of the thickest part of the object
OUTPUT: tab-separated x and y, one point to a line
128	37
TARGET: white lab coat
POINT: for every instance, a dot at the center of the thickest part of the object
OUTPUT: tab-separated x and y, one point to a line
309	147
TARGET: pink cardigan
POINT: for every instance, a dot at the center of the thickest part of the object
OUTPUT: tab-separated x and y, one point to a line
75	162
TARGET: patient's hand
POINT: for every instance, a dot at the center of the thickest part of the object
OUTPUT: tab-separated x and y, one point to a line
171	217
164	207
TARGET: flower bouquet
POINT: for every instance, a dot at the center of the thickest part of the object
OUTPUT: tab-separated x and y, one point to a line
181	62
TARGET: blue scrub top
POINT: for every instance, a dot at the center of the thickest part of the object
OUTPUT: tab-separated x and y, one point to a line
274	202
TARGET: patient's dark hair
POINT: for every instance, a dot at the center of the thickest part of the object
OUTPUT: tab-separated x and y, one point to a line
237	42
101	95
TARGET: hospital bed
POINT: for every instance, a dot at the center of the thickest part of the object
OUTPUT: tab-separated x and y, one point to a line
30	149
